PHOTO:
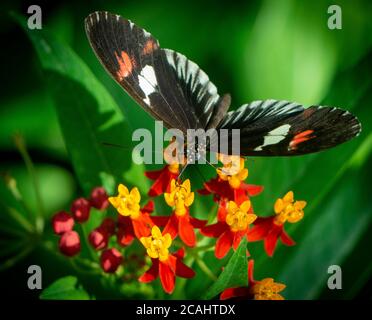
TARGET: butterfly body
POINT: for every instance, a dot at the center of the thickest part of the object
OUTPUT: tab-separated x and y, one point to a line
173	89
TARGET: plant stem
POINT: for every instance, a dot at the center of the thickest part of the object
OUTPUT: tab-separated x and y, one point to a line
21	146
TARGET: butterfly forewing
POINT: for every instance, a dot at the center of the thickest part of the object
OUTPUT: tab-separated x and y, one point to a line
165	83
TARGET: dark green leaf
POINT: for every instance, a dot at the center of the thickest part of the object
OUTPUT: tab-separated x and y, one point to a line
233	275
65	288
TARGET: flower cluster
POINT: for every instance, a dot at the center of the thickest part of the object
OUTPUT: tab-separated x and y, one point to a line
166	239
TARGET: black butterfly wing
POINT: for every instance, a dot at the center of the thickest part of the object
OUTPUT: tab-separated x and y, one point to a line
165	83
282	128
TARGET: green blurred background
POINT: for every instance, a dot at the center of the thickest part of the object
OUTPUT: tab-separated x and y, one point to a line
251	49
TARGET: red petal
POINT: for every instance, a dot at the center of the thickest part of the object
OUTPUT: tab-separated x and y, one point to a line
183	270
172	226
214	230
180	253
162	180
125	234
222	211
153	175
250	272
160	221
167	277
149	207
142	226
237	238
234	292
186	231
253	190
223	244
286	239
260	230
271	240
197	223
152	273
240	196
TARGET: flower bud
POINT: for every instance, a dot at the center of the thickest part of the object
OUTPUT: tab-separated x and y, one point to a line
69	243
98	238
62	222
109	225
80	209
99	198
111	260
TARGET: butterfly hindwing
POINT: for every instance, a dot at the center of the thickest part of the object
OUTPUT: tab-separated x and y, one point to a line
282	128
165	83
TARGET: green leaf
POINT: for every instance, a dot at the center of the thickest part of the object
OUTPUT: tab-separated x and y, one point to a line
234	274
65	288
87	114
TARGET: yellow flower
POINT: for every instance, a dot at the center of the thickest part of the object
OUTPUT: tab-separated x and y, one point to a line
233	170
180	196
157	245
286	209
127	203
267	289
238	217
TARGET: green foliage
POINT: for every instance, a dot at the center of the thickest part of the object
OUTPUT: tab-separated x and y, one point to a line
233	275
65	288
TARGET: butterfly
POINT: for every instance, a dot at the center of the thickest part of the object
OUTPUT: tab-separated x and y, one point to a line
173	89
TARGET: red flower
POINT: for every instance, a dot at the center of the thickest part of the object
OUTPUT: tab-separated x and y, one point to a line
62	222
111	260
99	198
163	178
265	289
221	189
184	227
270	229
80	209
232	225
180	222
266	229
69	243
164	265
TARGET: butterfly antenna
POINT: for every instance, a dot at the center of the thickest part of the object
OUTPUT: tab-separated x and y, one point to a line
108	144
182	171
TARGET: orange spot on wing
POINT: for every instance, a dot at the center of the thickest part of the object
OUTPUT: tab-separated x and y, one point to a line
149	47
125	65
299	138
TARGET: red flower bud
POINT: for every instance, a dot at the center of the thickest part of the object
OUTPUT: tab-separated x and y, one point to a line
109	225
98	238
80	209
111	260
62	222
69	244
99	198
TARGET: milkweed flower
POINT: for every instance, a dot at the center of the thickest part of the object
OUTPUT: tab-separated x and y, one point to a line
162	179
270	229
229	181
265	289
180	222
133	219
164	264
232	225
